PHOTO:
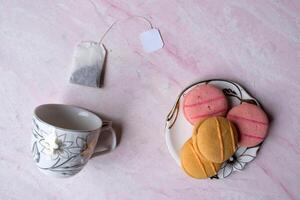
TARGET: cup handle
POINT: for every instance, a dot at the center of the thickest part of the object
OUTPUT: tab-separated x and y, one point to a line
107	127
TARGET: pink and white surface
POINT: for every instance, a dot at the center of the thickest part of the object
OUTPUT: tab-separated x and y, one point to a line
255	43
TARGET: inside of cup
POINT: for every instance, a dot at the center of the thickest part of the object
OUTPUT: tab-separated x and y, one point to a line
68	117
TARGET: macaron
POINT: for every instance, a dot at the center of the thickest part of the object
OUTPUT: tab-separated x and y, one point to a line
216	139
251	122
204	101
194	136
194	164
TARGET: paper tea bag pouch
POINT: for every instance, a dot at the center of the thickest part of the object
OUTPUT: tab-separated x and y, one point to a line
87	64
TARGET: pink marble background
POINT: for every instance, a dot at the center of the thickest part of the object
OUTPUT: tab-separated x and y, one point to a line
256	43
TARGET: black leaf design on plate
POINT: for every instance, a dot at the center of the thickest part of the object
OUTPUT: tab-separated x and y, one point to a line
249	101
238	161
231	93
228	91
214	177
227	170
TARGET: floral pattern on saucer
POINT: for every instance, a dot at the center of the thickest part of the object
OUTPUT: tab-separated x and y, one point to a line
238	161
177	129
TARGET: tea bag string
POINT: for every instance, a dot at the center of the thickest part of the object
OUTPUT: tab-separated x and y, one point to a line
123	20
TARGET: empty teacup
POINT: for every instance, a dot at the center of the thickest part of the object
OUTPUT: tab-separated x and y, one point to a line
64	138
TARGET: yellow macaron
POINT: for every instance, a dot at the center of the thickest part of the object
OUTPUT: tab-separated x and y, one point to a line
215	138
194	164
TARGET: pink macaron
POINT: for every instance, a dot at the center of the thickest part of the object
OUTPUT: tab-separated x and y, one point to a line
204	101
252	123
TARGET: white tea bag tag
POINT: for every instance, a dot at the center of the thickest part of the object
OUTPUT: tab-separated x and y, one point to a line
151	40
88	60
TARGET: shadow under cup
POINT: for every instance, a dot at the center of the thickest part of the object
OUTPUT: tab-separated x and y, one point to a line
63	138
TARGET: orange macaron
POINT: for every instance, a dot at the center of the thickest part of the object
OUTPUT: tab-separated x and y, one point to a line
215	138
194	164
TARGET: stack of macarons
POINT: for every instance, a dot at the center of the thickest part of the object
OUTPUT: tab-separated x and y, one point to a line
218	130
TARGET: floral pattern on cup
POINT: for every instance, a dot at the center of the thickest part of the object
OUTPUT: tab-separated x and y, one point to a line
65	137
61	151
56	146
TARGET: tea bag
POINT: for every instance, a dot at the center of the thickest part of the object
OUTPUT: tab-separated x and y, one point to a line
89	57
151	40
87	64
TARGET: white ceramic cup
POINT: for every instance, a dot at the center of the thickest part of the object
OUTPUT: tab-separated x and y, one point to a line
64	138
